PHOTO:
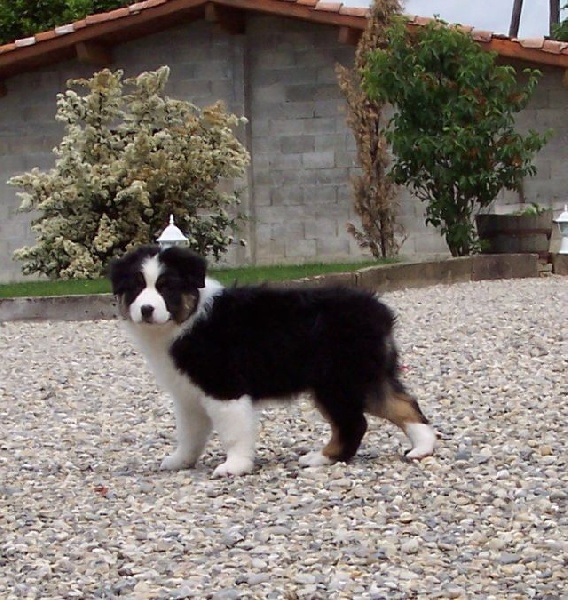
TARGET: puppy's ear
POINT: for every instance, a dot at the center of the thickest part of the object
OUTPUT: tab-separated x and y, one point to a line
115	272
191	266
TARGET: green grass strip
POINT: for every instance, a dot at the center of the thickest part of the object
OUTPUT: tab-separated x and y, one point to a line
239	275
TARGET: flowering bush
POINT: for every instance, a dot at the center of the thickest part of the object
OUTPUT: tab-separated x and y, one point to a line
126	162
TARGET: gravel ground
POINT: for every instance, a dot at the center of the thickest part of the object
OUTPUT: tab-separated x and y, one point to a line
85	513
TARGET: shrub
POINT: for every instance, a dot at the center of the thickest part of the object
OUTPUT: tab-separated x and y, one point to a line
374	193
126	162
453	132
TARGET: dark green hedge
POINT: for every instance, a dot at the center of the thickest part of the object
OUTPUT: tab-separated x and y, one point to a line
22	18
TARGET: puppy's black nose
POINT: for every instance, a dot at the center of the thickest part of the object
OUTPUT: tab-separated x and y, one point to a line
146	310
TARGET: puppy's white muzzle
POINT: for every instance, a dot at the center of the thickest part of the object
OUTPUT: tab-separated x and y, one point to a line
149	307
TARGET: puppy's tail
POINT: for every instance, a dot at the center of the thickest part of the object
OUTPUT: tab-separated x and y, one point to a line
392	365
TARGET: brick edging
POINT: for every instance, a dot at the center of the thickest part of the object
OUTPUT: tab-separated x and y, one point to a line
382	278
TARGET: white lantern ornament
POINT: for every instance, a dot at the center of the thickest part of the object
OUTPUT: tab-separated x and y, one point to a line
562	221
172	236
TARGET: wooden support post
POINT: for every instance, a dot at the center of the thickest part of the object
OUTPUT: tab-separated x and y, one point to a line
349	35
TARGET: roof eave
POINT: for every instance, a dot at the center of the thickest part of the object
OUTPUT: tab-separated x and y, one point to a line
149	16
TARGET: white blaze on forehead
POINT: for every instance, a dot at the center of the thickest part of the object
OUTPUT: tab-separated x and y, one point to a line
151	270
149	296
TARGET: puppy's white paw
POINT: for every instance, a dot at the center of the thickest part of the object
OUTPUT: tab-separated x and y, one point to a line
423	439
315	459
236	466
418	453
176	462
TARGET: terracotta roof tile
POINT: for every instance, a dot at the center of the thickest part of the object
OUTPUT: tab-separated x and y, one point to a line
118	13
423	20
481	36
63	29
146	4
45	35
99	18
329	6
7	47
80	24
532	43
29	41
311	3
551	46
354	11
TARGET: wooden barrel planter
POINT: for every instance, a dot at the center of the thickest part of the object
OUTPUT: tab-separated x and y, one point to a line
515	234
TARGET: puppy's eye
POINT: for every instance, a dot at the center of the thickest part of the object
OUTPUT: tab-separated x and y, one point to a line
130	287
164	286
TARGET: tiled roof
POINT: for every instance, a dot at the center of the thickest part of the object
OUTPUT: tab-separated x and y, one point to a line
107	29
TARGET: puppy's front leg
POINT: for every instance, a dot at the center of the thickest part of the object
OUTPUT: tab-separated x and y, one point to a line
236	423
193	427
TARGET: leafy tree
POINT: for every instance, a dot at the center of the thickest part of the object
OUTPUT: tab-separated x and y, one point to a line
126	162
560	31
22	18
453	132
375	198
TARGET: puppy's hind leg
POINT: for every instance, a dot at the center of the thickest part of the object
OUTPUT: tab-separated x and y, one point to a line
400	408
236	423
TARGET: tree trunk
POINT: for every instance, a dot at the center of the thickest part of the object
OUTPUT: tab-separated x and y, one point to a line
554	14
516	18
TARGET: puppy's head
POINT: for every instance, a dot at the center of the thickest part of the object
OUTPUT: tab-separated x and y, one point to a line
156	286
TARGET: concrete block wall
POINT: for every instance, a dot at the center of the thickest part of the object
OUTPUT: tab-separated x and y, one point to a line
281	76
28	132
302	154
547	109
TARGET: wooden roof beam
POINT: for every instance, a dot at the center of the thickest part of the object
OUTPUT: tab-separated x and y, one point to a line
231	20
93	53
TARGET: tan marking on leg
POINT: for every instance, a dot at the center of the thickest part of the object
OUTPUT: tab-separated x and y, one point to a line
399	408
334	447
403	410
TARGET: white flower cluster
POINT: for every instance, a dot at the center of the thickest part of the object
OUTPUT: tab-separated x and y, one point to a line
130	157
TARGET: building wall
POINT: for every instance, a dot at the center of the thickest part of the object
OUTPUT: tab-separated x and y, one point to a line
281	76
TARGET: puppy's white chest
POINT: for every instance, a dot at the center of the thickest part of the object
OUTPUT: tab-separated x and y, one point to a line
155	348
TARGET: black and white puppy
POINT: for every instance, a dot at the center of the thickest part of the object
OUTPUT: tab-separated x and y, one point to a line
218	351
